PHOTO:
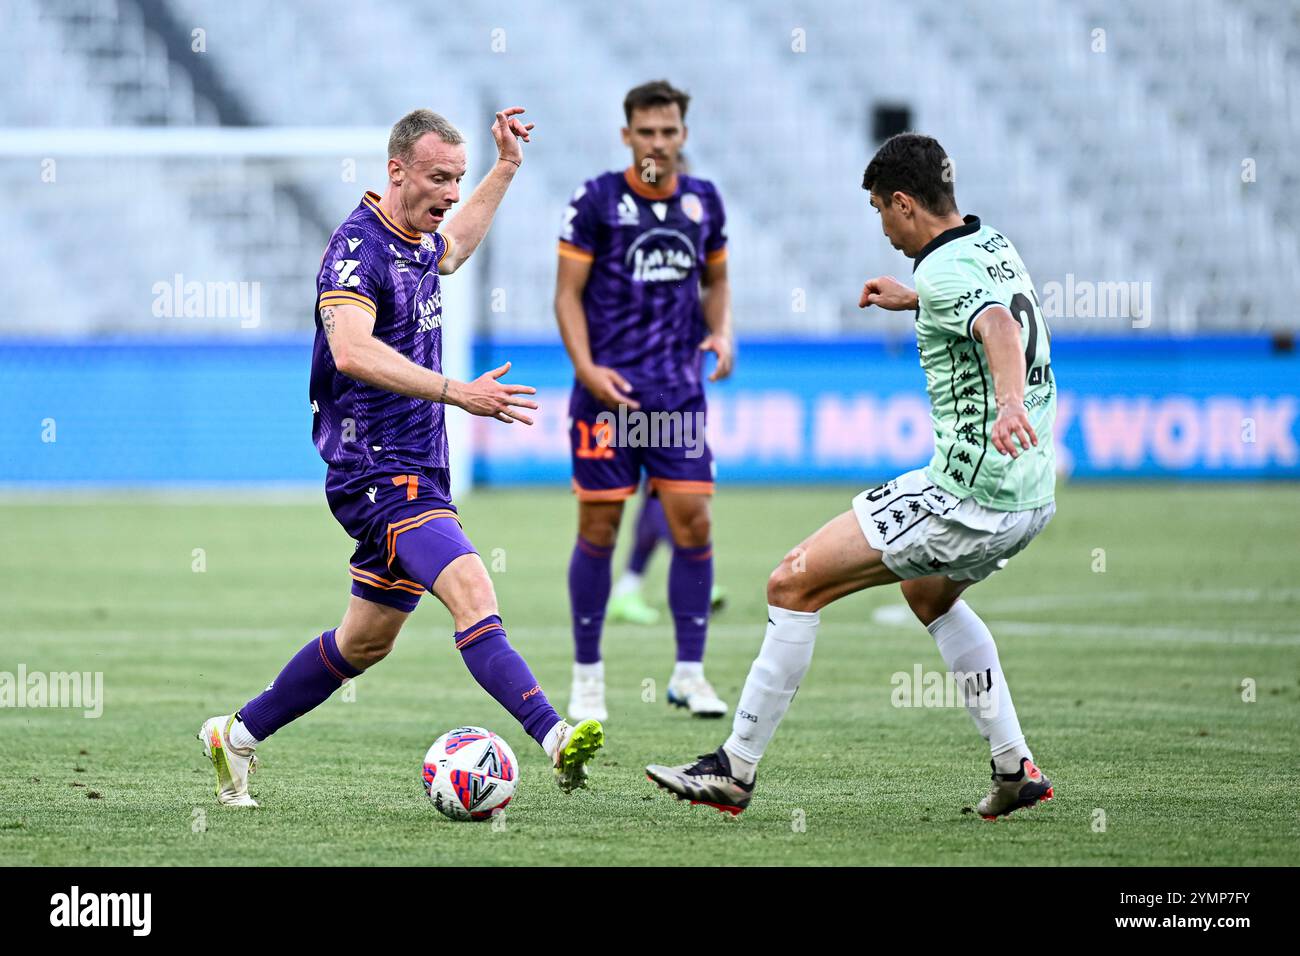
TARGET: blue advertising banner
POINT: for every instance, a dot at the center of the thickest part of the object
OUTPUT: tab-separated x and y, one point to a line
856	410
795	411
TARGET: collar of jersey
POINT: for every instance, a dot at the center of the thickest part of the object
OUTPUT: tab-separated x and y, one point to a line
371	201
645	190
970	226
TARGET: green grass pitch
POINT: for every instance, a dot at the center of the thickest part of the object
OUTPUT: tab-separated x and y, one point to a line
1130	683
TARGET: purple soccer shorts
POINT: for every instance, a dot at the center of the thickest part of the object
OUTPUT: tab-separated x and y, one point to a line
665	437
405	526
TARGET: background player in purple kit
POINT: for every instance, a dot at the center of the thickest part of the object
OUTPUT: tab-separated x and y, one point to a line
378	397
635	248
626	602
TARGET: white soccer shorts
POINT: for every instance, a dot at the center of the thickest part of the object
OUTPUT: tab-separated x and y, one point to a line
920	529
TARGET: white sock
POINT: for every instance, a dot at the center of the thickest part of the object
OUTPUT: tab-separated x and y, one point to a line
240	737
594	671
967	648
773	679
687	670
551	742
628	583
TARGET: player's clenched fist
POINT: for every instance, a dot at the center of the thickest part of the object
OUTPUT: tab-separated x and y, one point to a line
888	293
1013	424
494	399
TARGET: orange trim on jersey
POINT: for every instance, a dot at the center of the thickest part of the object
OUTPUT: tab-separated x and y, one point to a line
446	247
375	581
717	255
602	494
339	297
681	487
468	638
411	524
372	200
646	190
569	251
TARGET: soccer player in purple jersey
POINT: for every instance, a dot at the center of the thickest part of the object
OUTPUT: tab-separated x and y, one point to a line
378	395
635	248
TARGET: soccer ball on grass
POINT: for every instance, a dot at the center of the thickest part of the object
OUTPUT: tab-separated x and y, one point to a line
469	773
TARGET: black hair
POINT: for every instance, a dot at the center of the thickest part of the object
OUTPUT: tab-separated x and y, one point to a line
914	164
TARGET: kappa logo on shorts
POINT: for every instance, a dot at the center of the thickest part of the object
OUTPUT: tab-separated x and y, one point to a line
371	492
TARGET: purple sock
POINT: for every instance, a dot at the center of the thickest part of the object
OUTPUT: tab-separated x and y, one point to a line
690	580
651	528
588	595
501	672
314	673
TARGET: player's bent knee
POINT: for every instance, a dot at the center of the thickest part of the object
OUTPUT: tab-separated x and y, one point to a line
602	536
600	528
466	589
928	607
787	588
696	532
364	649
368	655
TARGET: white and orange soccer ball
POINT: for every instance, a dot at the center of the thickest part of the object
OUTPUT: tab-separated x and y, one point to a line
470	773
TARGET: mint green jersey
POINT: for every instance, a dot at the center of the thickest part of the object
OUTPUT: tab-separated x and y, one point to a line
959	275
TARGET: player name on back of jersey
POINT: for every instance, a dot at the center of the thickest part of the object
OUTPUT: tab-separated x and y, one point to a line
1004	270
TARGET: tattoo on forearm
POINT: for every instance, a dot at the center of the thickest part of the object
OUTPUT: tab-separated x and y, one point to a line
443	397
327	319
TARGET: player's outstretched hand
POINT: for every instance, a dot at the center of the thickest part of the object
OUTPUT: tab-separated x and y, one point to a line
491	398
888	293
725	350
610	388
508	131
1013	423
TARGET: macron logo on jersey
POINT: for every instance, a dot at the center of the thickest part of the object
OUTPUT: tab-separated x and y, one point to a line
628	214
352	244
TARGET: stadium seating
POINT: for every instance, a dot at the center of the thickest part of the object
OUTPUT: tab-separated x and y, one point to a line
1100	164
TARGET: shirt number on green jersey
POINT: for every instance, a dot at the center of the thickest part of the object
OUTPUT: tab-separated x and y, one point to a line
1022	304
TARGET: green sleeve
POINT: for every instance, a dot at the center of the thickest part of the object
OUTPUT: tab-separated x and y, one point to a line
954	293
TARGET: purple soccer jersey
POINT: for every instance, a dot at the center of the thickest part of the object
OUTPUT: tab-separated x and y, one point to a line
376	265
648	248
388	483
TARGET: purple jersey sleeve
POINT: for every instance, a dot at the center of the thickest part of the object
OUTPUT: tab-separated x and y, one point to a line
352	273
578	232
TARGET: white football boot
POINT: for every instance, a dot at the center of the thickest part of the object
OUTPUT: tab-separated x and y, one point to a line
697	695
708	782
1015	791
233	765
587	698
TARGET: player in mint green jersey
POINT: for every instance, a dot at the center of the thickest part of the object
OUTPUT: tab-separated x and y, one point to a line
986	493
